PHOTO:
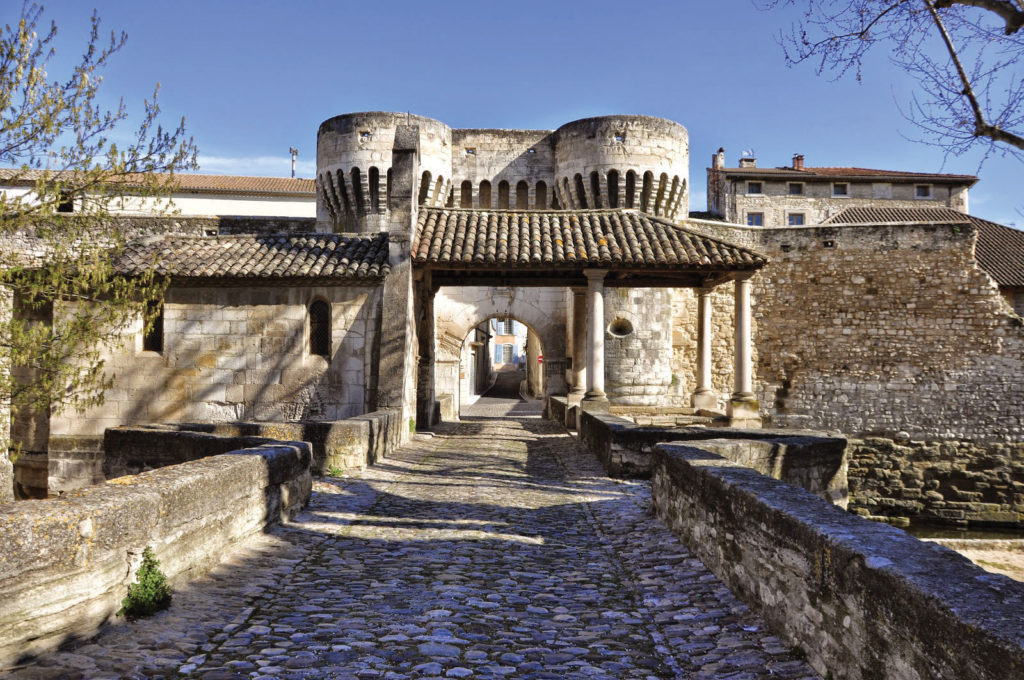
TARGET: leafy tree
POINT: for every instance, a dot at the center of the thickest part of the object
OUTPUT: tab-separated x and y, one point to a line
965	54
59	234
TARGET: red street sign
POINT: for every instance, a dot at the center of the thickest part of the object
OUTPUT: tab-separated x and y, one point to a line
540	358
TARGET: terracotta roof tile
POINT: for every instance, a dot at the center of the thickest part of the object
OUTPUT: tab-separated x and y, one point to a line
1000	252
316	256
883	215
233	184
849	173
483	239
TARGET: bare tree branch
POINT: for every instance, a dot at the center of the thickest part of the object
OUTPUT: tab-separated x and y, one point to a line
1009	11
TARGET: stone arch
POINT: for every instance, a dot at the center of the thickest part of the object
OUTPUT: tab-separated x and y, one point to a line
458	310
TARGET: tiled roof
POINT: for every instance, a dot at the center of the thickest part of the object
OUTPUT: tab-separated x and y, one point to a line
571	239
883	215
849	173
306	256
1000	252
221	184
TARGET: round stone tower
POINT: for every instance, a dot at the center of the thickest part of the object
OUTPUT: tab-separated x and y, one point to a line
624	162
642	163
353	163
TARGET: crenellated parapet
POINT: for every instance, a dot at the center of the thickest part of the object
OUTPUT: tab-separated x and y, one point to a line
624	162
635	162
354	167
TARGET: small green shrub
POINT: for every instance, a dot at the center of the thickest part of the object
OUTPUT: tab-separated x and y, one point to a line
150	592
335	471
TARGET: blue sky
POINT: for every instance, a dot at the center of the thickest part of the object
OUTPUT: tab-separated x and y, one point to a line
253	78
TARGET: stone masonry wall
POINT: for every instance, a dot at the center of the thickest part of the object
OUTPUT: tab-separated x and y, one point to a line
879	331
230	354
884	330
938	481
637	346
863	600
684	342
67	562
239	353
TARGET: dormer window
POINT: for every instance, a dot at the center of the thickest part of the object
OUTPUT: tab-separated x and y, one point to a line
796	188
840	189
922	191
755	188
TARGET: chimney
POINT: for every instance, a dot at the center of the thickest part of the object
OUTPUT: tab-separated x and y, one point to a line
748	162
798	162
718	160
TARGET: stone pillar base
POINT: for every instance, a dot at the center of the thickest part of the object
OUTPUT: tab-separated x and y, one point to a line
744	412
707	400
595	397
574	398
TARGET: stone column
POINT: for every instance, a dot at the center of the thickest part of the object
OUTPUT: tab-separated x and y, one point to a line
595	336
704	396
744	411
578	331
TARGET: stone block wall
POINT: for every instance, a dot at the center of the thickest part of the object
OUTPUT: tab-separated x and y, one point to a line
638	368
863	600
67	562
239	353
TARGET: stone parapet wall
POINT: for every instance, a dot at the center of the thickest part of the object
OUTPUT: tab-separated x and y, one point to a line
67	562
347	444
863	600
938	481
811	460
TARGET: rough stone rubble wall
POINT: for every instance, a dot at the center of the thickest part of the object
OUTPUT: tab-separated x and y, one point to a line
873	330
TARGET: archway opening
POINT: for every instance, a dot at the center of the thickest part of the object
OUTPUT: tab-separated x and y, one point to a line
502	358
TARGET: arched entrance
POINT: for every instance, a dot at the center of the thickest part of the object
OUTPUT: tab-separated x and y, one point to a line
464	338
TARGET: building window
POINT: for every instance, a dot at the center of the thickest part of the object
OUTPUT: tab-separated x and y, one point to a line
922	190
506	354
796	188
795	219
840	189
153	330
320	329
754	187
508	327
755	219
66	203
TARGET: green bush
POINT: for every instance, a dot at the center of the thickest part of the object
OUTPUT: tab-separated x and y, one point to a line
150	592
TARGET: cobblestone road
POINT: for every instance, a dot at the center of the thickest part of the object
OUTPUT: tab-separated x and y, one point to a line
495	548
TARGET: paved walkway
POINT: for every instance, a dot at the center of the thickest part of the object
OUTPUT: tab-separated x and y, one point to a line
495	548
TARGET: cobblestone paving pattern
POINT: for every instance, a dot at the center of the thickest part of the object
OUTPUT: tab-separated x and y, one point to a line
495	548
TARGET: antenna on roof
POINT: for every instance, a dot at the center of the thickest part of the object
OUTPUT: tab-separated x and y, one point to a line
748	153
294	152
